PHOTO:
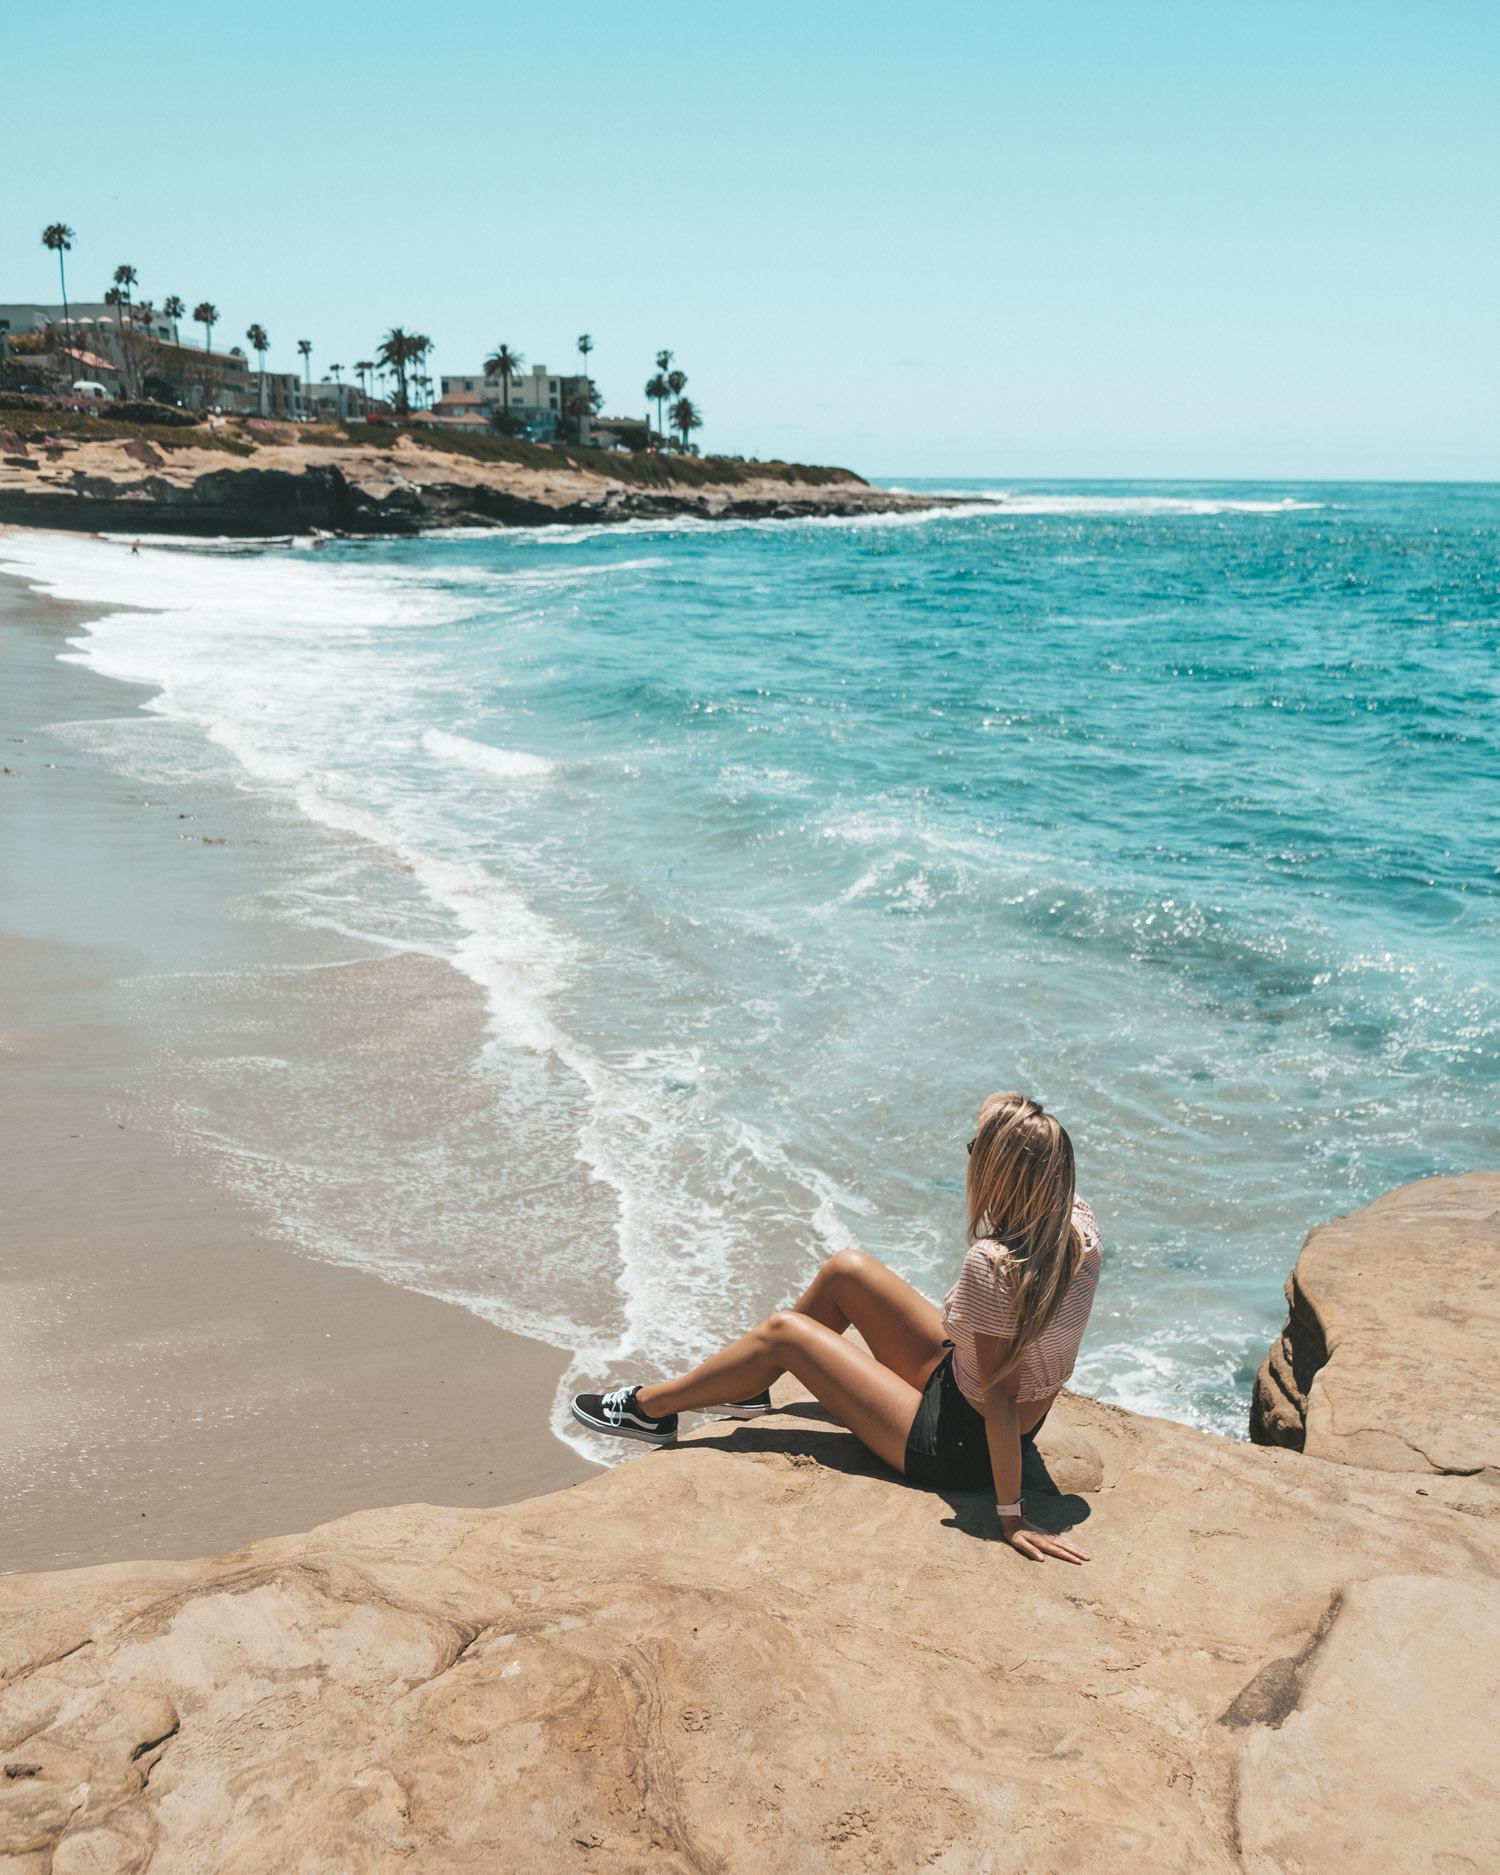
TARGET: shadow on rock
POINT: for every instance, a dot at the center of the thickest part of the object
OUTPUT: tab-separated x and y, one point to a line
822	1441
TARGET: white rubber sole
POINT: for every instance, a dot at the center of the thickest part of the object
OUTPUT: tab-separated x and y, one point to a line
623	1432
741	1412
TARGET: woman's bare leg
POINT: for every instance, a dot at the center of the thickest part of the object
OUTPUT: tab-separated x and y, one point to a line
901	1328
873	1401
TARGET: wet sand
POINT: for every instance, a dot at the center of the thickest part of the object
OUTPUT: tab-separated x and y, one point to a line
176	1378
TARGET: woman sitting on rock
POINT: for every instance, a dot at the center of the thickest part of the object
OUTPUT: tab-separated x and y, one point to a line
948	1396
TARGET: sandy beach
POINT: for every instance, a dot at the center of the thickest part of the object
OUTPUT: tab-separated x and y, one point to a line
176	1377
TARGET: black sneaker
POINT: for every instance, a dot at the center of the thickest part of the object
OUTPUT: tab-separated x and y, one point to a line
618	1413
752	1408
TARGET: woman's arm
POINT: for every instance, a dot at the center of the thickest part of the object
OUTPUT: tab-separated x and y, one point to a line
1002	1427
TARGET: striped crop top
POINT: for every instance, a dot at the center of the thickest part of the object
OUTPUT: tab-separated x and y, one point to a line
979	1303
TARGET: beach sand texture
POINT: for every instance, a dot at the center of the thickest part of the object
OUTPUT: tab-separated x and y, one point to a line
174	1377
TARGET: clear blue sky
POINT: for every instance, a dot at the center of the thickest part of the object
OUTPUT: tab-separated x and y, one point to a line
968	239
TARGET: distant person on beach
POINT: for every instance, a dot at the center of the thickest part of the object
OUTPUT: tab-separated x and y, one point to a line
135	546
947	1396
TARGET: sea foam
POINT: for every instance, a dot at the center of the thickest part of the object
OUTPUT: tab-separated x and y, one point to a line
1085	790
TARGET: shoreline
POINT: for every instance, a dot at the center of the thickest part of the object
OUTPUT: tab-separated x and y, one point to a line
403	485
179	1377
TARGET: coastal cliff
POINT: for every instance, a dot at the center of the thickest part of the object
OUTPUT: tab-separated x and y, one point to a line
759	1651
277	479
1388	1356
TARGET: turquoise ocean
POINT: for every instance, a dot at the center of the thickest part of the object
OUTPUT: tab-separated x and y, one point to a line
773	847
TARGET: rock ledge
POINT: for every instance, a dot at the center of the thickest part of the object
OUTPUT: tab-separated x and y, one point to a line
760	1651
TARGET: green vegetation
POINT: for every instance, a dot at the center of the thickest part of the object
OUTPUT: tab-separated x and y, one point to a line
655	471
33	425
399	352
145	410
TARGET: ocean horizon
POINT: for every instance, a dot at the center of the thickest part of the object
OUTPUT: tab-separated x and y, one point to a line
771	847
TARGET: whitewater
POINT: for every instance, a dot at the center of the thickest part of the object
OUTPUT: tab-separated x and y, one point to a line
772	847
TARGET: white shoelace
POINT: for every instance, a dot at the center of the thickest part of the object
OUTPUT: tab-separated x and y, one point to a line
614	1404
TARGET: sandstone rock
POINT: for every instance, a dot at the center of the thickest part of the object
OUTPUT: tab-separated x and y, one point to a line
761	1651
1402	1675
1389	1355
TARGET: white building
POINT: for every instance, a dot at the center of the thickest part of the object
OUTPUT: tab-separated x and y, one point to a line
537	398
92	322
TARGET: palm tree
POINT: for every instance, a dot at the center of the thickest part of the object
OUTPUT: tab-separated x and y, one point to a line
113	296
305	347
658	389
366	369
260	344
685	417
173	308
206	314
664	362
59	237
504	364
125	278
676	383
585	346
398	349
420	347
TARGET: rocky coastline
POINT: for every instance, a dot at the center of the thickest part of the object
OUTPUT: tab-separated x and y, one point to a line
280	484
758	1650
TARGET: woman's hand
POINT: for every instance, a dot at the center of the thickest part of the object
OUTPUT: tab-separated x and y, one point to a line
1039	1544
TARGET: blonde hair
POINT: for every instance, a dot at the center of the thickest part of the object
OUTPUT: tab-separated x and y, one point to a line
1020	1196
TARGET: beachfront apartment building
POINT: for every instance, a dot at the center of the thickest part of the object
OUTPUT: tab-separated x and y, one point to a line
93	323
538	400
119	356
113	354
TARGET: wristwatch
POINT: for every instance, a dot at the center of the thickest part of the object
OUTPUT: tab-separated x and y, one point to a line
1010	1510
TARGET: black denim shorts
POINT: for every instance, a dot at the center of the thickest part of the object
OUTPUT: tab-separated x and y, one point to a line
947	1448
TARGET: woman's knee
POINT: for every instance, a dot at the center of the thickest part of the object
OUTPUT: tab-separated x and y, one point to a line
784	1329
848	1265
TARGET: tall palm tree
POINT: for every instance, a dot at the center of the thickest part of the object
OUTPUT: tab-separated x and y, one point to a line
664	362
504	364
398	349
421	350
125	277
59	237
260	344
114	296
658	389
685	418
142	340
206	314
305	347
585	346
366	369
173	308
676	383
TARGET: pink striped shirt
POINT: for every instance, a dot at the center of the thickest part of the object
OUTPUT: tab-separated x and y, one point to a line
980	1303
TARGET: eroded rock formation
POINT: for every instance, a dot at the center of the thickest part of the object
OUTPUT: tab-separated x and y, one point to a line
1390	1356
760	1652
291	487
